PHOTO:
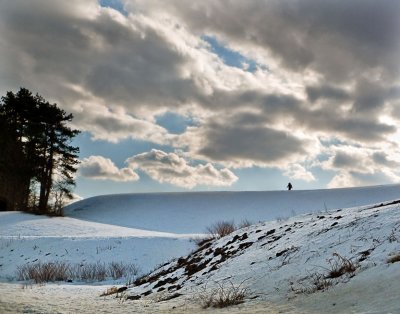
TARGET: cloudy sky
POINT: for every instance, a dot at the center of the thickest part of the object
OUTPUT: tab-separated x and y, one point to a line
215	95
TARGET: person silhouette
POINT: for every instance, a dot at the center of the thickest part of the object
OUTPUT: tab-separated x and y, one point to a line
289	186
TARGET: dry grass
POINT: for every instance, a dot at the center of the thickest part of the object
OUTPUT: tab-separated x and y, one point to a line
393	236
91	272
224	295
319	282
118	270
221	228
394	258
316	282
62	271
109	291
340	266
202	241
44	272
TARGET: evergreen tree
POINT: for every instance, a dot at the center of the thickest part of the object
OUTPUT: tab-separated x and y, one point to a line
41	131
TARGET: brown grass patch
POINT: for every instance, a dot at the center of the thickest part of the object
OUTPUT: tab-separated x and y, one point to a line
394	258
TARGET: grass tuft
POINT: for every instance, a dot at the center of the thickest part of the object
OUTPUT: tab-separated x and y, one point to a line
340	266
224	295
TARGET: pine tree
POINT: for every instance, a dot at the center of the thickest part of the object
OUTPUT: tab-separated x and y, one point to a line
41	130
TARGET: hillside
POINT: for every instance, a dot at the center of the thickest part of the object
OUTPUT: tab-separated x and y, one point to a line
192	212
293	241
337	261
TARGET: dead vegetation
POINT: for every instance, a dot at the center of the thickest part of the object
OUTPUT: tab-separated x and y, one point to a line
63	271
109	291
44	272
394	258
114	290
340	268
393	237
224	295
221	229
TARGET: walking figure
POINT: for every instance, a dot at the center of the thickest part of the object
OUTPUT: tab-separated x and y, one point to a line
289	186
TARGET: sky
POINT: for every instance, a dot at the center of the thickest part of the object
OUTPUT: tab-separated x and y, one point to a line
215	95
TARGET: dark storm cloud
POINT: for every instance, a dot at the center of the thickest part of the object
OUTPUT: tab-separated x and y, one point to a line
126	64
350	126
338	39
250	143
344	161
315	93
328	119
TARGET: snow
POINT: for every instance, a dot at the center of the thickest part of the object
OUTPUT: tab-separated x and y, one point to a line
278	261
192	212
152	229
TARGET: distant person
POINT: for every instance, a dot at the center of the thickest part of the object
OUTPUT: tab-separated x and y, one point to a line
289	186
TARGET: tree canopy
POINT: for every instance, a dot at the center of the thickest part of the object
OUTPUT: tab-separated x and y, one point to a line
37	160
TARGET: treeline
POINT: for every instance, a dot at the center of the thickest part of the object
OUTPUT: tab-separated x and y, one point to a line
37	160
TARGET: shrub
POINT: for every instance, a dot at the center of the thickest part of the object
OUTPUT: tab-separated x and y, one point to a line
92	272
116	270
44	272
61	271
221	229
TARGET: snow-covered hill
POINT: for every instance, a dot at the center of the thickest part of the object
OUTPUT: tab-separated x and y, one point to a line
192	212
276	257
355	250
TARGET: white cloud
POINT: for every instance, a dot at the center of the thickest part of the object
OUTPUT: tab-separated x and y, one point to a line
298	172
326	74
100	168
171	168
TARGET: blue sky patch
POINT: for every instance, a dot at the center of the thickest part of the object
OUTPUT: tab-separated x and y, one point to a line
230	57
114	4
174	123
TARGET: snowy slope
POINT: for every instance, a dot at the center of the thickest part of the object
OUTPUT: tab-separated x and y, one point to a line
150	229
304	261
193	212
26	238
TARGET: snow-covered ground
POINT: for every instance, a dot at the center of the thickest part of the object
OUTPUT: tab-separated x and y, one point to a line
193	212
336	261
277	267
